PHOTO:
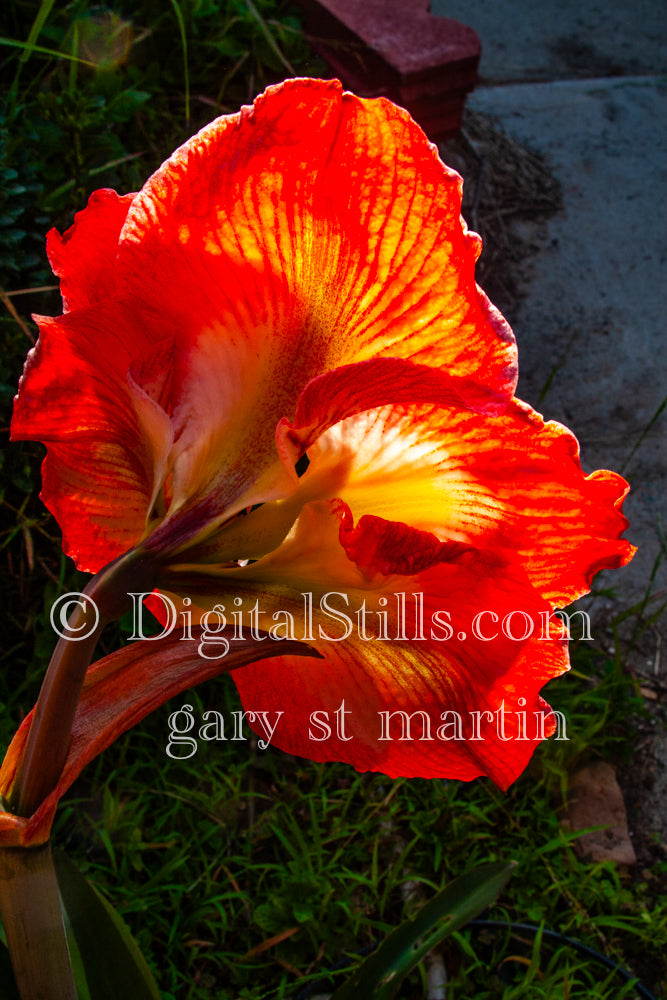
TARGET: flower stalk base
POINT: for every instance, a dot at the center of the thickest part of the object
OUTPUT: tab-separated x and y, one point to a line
32	917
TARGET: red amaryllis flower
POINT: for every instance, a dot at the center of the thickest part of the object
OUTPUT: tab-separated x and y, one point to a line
276	378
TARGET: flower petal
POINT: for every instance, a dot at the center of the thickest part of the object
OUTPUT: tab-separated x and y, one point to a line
311	231
409	663
107	440
83	257
383	547
512	484
350	389
465	636
119	691
276	250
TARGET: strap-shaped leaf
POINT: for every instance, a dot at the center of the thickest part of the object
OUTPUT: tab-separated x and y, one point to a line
380	976
112	963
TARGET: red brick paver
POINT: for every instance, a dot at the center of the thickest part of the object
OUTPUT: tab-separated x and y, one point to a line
397	49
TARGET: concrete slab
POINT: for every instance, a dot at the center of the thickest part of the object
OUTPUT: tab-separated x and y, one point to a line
524	40
592	321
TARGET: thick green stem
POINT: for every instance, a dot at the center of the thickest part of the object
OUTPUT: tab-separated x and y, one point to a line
33	922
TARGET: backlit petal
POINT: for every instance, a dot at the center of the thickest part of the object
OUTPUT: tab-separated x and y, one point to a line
311	231
330	398
432	642
83	257
107	440
512	484
253	282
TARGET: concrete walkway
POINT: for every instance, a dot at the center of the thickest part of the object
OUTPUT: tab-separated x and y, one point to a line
580	84
560	39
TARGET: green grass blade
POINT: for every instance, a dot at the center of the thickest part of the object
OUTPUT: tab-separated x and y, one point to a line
42	50
184	45
268	34
37	25
381	975
75	50
656	416
30	45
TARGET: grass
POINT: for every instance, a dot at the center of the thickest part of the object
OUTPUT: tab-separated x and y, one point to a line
214	858
246	873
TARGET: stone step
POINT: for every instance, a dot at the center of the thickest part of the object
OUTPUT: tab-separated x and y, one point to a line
387	48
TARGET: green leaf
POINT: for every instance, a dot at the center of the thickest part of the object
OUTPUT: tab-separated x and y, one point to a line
112	963
381	975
